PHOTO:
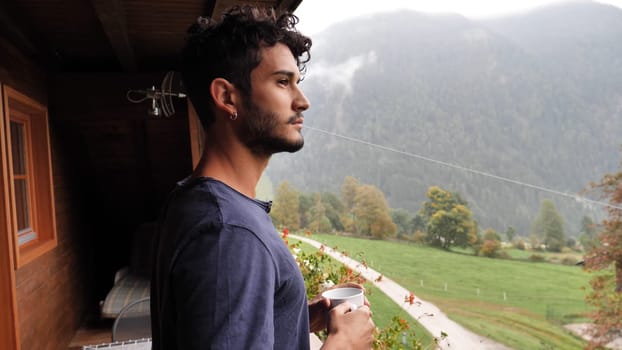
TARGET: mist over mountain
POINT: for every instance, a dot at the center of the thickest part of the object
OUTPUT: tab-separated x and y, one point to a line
535	97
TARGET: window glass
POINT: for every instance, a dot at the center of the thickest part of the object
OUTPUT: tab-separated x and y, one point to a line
18	148
20	175
21	201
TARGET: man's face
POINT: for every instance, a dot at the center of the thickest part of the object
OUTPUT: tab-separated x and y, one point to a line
271	119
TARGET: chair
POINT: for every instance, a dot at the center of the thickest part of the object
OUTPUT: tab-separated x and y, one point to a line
131	283
133	321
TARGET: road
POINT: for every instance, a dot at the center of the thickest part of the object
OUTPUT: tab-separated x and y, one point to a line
428	315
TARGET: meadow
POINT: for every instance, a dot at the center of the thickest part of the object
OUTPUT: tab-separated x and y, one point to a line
385	309
521	304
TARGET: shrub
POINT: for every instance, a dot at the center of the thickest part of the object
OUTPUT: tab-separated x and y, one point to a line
569	260
537	258
391	337
419	237
520	244
503	255
490	248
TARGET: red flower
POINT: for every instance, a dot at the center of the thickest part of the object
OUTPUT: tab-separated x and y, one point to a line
403	323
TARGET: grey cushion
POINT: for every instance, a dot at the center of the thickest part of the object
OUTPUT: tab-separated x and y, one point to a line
128	289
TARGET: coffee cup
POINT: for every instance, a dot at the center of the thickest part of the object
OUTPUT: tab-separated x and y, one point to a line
347	294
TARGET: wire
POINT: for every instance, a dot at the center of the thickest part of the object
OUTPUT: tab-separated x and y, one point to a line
129	97
576	197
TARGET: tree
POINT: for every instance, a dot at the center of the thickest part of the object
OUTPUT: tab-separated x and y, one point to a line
348	195
449	220
491	235
318	222
587	233
606	293
418	223
305	201
348	192
447	228
491	244
535	242
588	227
372	213
510	233
439	199
286	208
549	226
334	209
404	221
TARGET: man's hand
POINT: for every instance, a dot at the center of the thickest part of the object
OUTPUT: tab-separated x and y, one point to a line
319	307
348	329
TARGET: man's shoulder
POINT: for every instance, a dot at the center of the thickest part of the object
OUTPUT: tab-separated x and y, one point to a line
204	206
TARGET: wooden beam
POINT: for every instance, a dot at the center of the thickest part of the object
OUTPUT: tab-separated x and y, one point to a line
208	8
14	33
288	5
112	17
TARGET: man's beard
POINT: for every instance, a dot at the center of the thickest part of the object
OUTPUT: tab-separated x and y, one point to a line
258	131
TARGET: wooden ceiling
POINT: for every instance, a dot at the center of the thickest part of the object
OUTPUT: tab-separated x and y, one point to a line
108	35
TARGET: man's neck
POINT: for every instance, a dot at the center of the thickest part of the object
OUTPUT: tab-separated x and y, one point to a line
233	164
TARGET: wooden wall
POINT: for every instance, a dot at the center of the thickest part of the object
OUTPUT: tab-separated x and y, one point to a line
113	166
49	290
128	160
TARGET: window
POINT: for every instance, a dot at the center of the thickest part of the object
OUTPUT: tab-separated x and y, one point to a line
29	176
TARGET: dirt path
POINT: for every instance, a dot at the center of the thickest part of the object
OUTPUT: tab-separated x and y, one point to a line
428	315
582	330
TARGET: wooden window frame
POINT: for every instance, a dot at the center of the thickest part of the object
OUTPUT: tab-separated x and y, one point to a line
9	327
24	109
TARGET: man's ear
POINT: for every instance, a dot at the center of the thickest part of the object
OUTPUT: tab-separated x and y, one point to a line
225	95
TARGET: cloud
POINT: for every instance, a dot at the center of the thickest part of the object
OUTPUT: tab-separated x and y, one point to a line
339	75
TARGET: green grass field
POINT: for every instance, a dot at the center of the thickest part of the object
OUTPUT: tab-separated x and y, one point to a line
385	309
518	303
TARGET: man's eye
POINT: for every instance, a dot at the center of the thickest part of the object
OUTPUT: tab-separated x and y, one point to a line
283	81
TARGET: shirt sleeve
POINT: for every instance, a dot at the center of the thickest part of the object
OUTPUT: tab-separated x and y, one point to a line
223	287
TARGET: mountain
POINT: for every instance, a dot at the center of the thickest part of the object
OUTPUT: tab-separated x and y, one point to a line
535	97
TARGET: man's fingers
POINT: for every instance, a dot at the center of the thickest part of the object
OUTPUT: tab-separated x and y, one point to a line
346	307
365	309
342	308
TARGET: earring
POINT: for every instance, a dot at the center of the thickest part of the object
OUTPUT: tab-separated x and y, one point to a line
234	116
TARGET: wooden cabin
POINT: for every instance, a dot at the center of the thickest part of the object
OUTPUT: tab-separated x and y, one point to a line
81	167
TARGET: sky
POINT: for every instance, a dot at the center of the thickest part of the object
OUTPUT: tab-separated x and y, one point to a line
316	15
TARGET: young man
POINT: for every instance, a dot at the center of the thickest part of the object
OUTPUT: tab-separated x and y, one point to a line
223	278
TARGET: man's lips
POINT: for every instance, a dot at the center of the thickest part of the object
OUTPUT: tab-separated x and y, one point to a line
297	121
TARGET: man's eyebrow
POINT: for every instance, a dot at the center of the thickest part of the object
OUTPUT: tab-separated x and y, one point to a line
288	73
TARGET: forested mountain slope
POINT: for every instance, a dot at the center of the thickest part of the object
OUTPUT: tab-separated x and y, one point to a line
535	97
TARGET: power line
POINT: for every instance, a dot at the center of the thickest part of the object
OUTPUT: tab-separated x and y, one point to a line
576	197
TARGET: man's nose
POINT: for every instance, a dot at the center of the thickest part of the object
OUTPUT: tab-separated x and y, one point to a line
301	103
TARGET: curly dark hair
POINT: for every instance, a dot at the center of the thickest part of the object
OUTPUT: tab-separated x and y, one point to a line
230	49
